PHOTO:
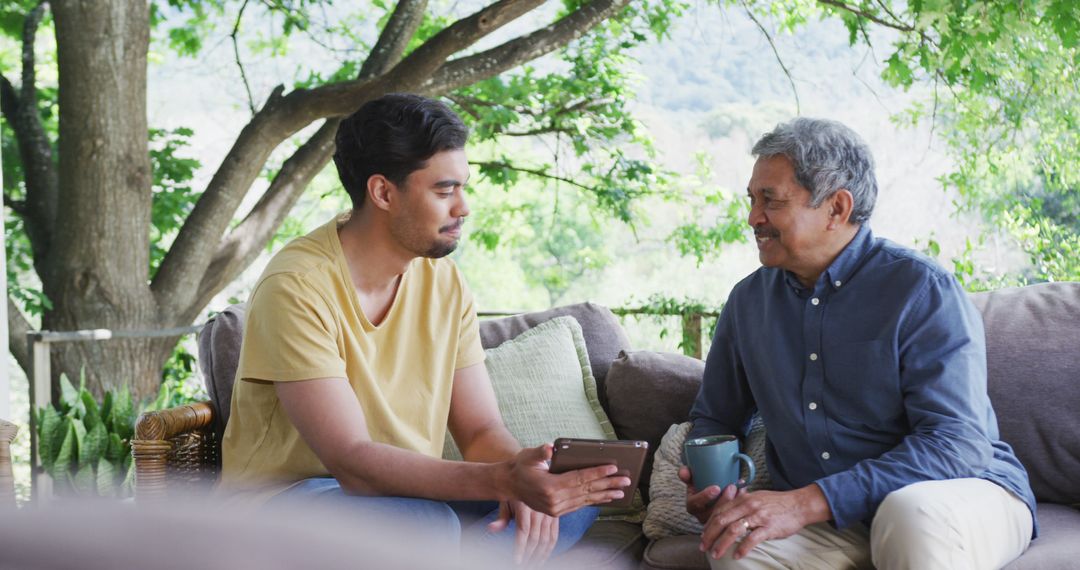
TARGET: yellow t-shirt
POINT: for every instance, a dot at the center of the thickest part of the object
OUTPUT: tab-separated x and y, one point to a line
304	321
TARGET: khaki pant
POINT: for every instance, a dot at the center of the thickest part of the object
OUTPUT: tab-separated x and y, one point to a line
957	524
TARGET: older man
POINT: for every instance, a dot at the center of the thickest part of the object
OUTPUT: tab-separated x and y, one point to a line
867	363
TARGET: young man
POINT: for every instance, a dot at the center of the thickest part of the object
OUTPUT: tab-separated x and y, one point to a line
361	348
867	363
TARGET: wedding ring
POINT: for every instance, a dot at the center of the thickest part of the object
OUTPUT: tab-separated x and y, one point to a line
746	527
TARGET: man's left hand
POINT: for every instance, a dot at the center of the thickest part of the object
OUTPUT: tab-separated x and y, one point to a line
760	516
536	535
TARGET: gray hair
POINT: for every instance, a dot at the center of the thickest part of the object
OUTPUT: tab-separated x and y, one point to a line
827	156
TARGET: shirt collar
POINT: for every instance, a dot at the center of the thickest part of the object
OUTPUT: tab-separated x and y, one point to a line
844	265
850	258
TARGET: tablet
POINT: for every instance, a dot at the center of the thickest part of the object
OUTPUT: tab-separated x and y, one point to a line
628	455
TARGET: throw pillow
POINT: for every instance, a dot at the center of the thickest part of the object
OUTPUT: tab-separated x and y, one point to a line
545	389
666	515
647	392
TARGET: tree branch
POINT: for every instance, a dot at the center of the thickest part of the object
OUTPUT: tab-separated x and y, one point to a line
395	37
246	240
467	70
244	243
897	25
236	55
533	171
177	281
18	326
35	149
780	60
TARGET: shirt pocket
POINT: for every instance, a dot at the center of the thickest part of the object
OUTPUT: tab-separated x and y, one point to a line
862	382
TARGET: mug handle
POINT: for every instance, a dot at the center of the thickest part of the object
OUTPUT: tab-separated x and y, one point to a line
749	467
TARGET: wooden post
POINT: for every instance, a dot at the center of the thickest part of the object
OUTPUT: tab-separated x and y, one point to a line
691	334
41	488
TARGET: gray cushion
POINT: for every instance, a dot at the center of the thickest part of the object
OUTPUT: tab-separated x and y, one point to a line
607	545
675	553
1057	547
1033	365
604	336
649	391
219	354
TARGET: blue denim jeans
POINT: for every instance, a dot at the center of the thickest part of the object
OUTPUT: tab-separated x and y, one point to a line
440	524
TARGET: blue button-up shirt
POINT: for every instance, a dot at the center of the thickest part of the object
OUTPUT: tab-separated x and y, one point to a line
873	380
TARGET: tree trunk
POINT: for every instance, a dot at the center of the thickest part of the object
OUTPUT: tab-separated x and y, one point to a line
97	271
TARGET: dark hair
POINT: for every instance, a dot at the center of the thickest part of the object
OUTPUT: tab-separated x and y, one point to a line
394	136
827	156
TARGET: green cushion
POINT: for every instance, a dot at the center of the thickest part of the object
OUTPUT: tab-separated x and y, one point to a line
545	387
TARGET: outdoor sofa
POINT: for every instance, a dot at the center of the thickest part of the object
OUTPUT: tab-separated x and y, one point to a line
1033	354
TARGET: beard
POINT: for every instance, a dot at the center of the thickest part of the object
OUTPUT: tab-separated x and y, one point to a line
413	240
440	249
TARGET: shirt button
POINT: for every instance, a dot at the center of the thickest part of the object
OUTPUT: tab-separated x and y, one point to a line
813	405
813	356
837	283
825	455
814	301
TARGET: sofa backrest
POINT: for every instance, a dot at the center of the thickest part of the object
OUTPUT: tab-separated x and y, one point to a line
219	355
1033	369
219	346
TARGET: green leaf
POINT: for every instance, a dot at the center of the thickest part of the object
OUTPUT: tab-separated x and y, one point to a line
122	421
94	445
92	417
128	486
106	407
117	449
68	449
69	396
107	476
80	436
85	481
50	436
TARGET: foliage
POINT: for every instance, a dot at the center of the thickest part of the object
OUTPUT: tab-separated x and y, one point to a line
173	196
581	108
1006	89
660	307
85	445
719	217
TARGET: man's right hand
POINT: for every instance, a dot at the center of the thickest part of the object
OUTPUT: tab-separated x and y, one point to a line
529	480
700	504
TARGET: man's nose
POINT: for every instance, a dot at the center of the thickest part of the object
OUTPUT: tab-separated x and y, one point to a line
461	208
756	217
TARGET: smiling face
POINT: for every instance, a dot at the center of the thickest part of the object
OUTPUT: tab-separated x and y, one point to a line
790	234
429	208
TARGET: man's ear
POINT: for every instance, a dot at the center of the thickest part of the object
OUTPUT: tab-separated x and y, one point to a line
379	190
840	206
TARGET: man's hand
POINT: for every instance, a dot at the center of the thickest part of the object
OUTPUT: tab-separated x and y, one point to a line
760	516
701	504
536	536
529	480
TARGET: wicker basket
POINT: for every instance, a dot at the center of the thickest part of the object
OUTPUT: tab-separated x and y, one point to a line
7	480
175	451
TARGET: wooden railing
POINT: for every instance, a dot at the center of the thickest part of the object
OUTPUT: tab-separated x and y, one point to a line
692	323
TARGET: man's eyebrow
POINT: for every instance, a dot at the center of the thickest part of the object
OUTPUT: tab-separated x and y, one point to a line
449	183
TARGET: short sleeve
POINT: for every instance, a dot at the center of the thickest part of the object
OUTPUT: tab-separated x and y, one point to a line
290	333
469	351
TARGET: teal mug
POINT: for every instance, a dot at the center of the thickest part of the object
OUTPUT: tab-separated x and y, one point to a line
714	460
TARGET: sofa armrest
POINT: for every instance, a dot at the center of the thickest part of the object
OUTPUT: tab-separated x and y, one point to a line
154	445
